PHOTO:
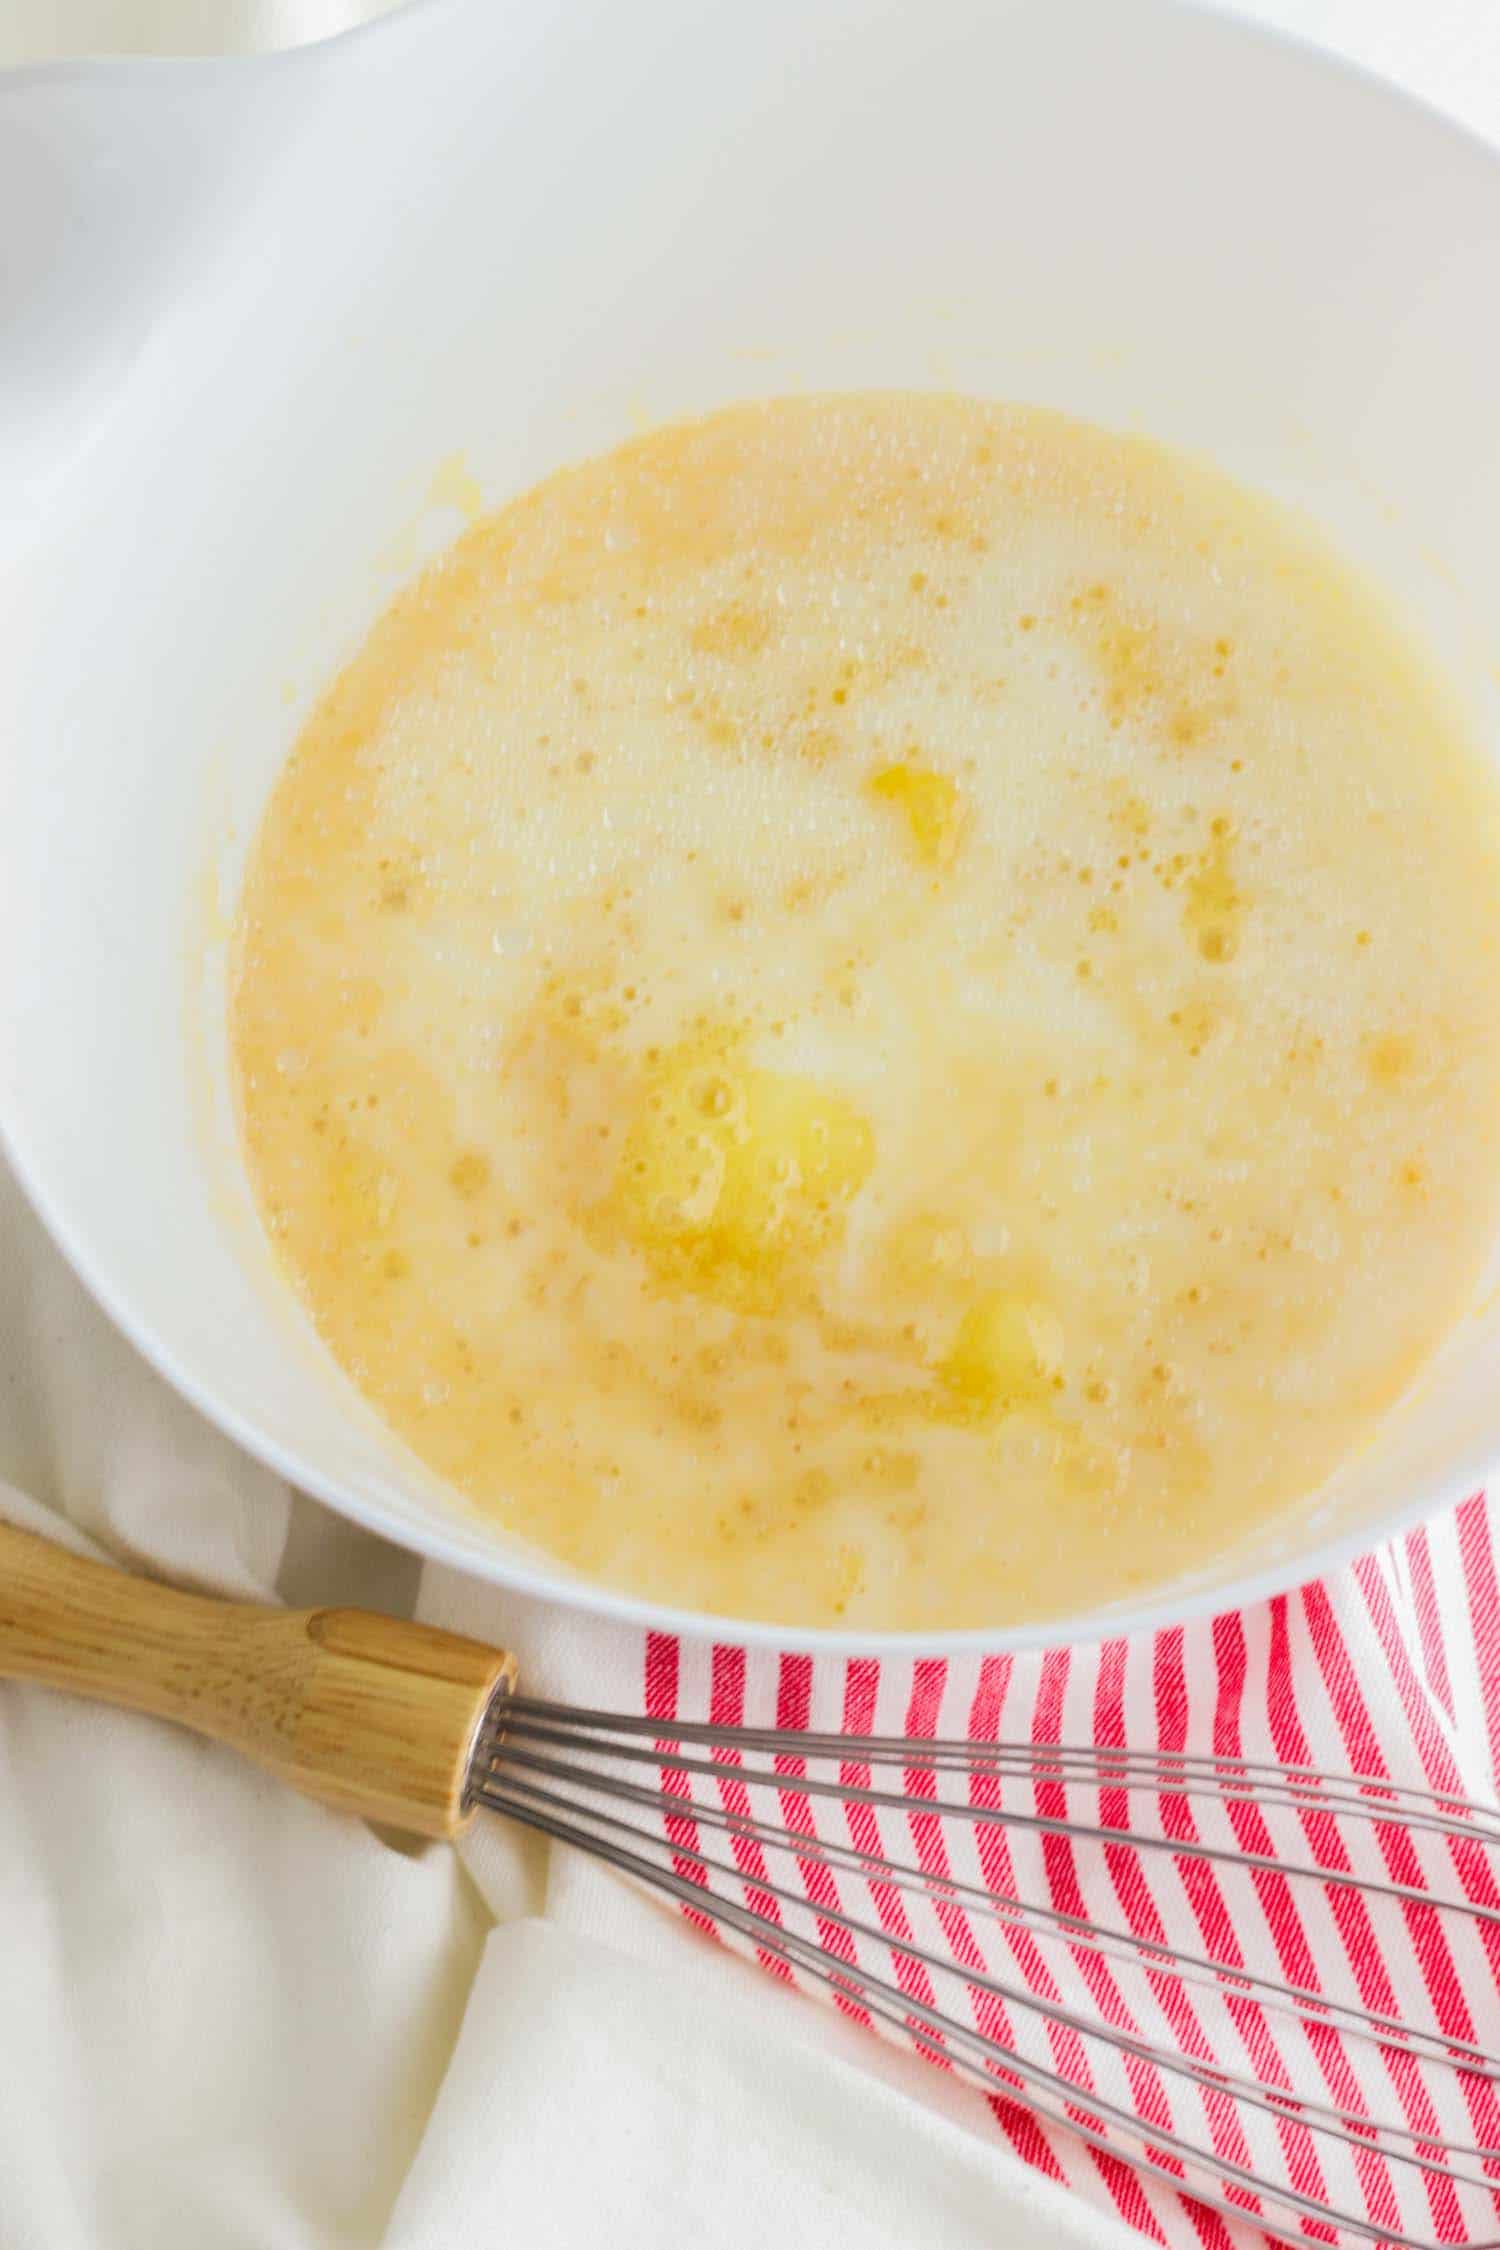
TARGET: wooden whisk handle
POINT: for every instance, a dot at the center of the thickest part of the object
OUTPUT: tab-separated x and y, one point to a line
371	1714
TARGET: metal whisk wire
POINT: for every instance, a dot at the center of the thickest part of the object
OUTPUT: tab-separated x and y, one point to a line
1085	2012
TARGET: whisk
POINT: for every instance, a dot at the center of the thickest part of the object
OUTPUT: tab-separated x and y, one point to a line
1001	1908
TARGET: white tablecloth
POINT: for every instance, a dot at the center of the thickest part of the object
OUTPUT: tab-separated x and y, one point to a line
229	2018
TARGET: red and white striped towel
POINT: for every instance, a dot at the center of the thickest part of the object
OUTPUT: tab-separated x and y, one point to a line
1391	1667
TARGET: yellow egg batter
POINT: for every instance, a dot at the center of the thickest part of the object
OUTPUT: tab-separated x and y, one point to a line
879	1009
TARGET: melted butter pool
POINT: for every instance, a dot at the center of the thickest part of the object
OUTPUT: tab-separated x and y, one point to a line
879	1010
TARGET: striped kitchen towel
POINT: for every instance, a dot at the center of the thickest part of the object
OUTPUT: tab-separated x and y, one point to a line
1389	1668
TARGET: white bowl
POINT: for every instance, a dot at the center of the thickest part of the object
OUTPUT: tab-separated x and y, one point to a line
253	307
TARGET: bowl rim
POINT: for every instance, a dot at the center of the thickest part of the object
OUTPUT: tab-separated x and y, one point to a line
435	1541
402	17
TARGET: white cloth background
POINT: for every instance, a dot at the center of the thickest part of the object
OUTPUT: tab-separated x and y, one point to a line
229	2018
